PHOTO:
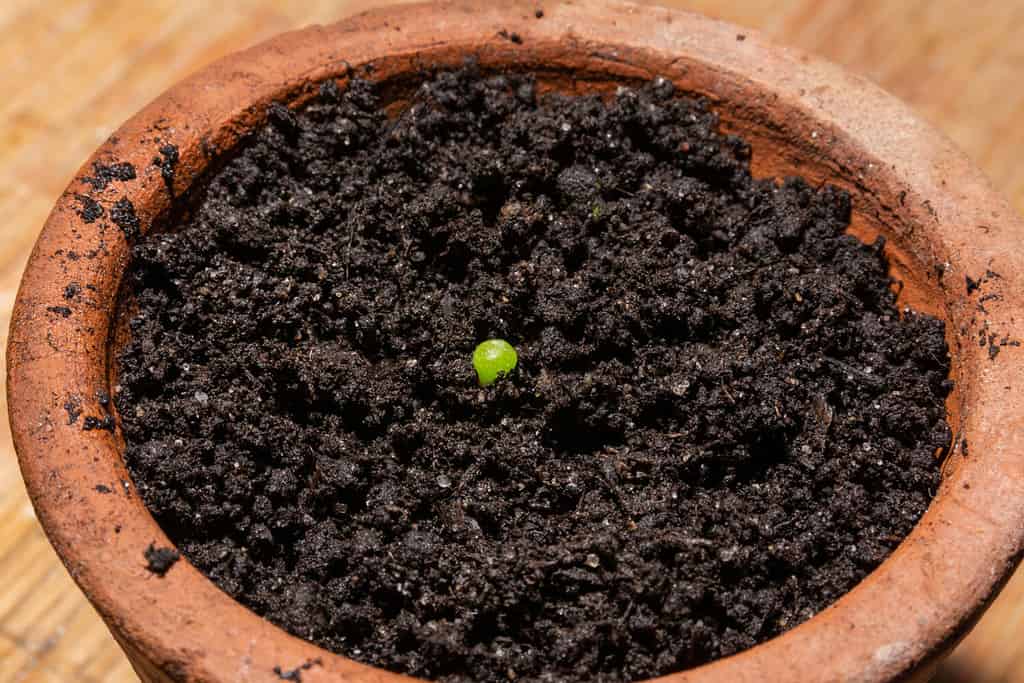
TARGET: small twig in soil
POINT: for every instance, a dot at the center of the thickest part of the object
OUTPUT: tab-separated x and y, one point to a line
348	247
613	489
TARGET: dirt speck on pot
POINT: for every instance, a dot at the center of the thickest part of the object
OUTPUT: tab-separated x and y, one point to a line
160	560
296	673
73	407
123	215
167	162
106	423
90	210
512	37
62	311
718	423
104	174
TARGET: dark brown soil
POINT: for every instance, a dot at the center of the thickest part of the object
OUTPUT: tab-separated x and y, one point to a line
719	423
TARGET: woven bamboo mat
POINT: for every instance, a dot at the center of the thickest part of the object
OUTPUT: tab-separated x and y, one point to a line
72	70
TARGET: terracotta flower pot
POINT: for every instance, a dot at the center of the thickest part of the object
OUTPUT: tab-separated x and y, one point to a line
944	222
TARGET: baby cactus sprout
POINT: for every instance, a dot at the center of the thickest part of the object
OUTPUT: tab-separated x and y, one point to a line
492	359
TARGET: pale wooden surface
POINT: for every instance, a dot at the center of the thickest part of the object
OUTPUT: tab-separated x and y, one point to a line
72	70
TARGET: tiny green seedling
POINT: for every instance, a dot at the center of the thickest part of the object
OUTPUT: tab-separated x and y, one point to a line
492	359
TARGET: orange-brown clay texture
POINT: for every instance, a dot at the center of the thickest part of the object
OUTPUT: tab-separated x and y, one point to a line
801	115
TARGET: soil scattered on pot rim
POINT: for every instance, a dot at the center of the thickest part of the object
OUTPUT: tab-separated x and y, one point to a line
160	560
296	673
718	424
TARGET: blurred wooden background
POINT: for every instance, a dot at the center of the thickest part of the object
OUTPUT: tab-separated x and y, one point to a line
72	70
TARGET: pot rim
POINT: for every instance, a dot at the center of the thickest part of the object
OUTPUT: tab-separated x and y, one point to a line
910	181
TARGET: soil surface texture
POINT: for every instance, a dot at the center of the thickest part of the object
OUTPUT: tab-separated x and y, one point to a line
718	425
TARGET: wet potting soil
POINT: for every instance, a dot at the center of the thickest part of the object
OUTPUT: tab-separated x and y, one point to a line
718	425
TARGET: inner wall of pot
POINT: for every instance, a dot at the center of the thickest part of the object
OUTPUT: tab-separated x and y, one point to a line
776	153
